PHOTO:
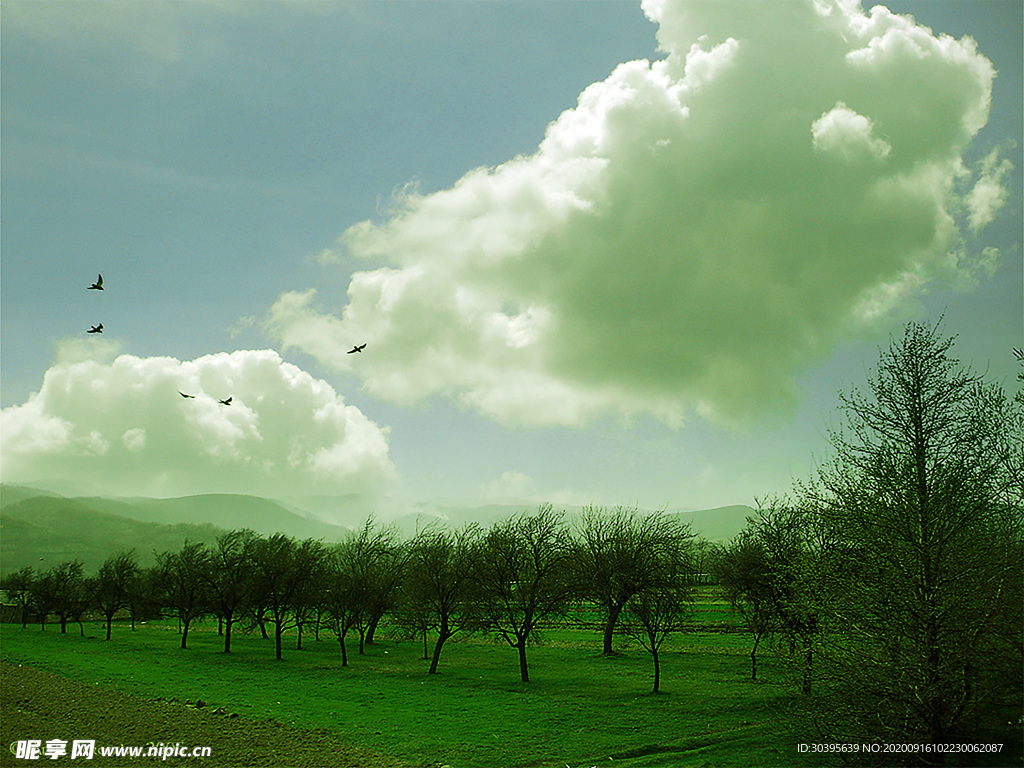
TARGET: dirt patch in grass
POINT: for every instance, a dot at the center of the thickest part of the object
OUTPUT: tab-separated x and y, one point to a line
41	705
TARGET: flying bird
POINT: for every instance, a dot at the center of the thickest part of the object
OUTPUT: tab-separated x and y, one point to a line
98	285
357	348
192	397
225	402
96	329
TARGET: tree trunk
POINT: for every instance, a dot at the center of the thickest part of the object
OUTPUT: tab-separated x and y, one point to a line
344	653
110	619
523	671
442	635
228	621
371	630
753	657
278	633
808	663
657	671
437	653
184	633
609	628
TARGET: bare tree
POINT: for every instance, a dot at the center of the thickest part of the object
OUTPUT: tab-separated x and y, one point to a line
623	552
230	577
18	587
652	615
744	574
282	572
61	590
310	570
438	581
522	577
347	589
383	566
114	585
180	585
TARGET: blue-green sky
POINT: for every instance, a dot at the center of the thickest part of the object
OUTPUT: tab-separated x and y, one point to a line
600	252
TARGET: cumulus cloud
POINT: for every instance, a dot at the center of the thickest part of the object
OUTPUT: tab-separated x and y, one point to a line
118	425
989	193
848	135
689	236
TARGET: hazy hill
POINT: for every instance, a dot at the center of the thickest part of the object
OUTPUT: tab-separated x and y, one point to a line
37	524
42	531
719	524
11	494
226	511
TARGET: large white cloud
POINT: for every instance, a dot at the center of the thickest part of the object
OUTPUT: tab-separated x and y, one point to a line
117	424
690	235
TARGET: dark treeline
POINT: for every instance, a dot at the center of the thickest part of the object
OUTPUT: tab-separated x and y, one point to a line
891	583
510	580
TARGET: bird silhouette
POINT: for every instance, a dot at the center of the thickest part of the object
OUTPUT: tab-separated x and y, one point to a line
225	402
98	285
96	329
192	397
357	348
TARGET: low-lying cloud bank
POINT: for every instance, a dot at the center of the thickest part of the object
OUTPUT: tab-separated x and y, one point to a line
116	423
688	237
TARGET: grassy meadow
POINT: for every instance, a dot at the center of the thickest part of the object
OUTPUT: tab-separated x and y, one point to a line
579	708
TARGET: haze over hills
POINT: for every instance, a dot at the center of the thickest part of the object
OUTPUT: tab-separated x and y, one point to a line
42	531
40	528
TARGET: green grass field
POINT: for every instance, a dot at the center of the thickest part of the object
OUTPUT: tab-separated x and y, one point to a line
579	708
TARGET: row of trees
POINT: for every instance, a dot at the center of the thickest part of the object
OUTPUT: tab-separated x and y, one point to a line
894	577
508	580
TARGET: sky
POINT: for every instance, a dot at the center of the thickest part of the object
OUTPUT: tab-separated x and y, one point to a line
602	252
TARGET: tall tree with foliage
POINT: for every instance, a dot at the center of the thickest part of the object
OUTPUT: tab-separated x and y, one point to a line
794	542
926	590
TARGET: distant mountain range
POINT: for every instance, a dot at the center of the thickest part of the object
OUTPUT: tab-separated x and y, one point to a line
39	528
